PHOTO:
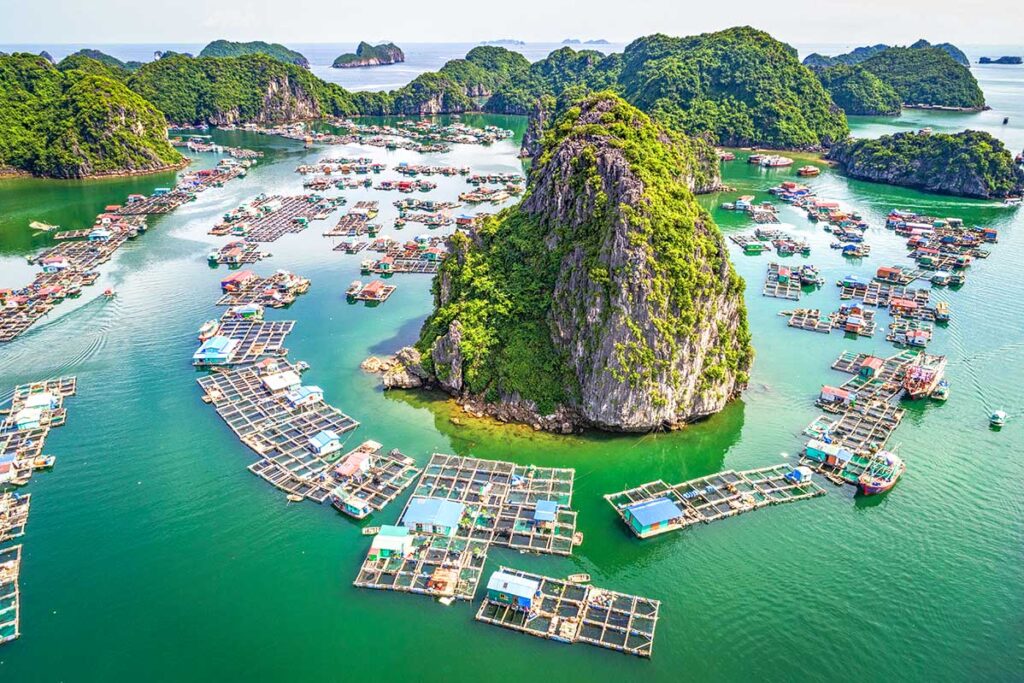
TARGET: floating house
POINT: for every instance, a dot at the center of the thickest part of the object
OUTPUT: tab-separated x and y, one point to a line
355	465
280	383
831	454
42	400
392	541
303	396
54	264
325	442
652	517
433	516
28	418
515	591
871	366
215	351
834	397
99	235
544	514
235	281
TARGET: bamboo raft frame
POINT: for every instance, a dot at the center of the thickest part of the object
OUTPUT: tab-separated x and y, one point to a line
791	290
14	509
284	220
10	599
839	319
863	428
906	276
809	319
277	433
256	338
716	496
389	475
351	247
885	385
572	613
881	294
500	498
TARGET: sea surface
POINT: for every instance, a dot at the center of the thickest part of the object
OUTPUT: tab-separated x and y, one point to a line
152	554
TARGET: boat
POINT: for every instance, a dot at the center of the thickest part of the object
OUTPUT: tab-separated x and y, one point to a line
997	419
354	288
941	392
371	530
43	462
45	227
109	293
1013	201
941	312
885	470
208	330
446	600
294	498
776	161
578	578
808	171
923	375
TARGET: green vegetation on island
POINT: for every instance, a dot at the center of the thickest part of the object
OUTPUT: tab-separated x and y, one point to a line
105	59
252	88
73	123
227	48
1006	59
860	92
858	55
967	164
605	298
927	77
370	55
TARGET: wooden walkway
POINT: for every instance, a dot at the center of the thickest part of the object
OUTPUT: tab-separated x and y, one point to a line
575	613
864	428
716	496
10	602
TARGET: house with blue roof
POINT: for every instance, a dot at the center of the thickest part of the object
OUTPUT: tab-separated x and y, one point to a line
652	517
305	396
544	514
325	442
433	516
515	591
216	350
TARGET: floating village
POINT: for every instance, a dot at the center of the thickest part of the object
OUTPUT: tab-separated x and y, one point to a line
437	543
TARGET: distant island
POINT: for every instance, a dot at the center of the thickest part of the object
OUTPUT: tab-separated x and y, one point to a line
860	54
227	48
104	58
577	41
504	41
967	164
1006	59
370	55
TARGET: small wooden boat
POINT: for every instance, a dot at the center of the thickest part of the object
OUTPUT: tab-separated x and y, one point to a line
208	330
109	293
354	288
44	227
578	578
446	600
997	419
371	530
294	498
808	171
43	462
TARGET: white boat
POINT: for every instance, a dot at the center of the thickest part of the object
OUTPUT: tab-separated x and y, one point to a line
294	498
578	578
997	419
1013	201
45	227
208	330
446	600
354	288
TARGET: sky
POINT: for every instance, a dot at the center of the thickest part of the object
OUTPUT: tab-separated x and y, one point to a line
348	21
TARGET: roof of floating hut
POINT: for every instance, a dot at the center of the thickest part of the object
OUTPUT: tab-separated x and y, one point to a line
654	511
433	511
280	381
545	511
519	586
353	462
323	439
390	538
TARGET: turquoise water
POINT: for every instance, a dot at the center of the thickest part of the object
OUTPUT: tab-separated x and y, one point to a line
152	554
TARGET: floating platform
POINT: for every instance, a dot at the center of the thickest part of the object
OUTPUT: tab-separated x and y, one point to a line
14	509
782	283
487	502
366	479
572	613
256	338
863	428
260	405
882	381
10	602
656	507
809	319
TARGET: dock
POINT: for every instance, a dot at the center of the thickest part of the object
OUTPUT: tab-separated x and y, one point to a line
656	507
367	479
570	613
809	319
864	428
273	291
460	507
269	218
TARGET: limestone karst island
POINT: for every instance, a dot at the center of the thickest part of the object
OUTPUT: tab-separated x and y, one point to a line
458	343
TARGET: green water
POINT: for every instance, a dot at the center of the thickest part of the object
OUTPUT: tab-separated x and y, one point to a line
153	555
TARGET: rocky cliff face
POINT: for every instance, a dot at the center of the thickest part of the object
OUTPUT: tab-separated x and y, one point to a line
605	299
967	164
283	100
